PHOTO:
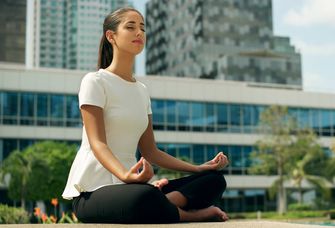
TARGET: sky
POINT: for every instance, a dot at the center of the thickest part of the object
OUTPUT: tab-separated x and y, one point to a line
310	24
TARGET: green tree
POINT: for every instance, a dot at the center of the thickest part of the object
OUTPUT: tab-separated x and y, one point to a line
58	157
17	170
331	166
313	158
39	172
273	155
289	152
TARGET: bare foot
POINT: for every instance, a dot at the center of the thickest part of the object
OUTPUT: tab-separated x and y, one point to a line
160	183
209	214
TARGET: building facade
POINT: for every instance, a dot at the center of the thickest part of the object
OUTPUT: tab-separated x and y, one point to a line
13	31
66	34
227	39
191	118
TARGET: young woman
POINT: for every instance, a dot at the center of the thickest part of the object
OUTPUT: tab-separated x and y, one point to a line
106	183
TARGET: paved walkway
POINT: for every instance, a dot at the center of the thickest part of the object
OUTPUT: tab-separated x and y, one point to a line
230	224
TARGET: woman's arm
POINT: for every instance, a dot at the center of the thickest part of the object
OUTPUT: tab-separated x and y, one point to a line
150	152
95	129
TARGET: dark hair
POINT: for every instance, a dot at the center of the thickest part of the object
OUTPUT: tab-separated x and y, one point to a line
111	22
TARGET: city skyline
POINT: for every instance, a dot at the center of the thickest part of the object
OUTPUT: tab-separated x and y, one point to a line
310	25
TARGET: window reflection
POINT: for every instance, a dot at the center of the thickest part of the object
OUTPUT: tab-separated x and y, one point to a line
62	110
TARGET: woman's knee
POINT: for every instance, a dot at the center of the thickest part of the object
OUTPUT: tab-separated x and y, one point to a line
148	194
217	180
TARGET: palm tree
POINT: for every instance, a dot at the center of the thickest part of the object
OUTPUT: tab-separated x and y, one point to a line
299	174
306	145
15	172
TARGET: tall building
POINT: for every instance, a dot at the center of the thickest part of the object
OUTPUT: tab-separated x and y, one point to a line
226	39
66	34
191	118
13	30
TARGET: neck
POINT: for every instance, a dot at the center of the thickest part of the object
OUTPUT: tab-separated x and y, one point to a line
122	65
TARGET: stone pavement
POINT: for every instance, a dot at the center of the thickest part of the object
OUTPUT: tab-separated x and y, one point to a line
230	224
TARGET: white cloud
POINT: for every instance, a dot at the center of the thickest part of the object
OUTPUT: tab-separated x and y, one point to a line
313	12
324	49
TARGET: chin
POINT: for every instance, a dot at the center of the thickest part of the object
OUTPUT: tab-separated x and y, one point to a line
136	52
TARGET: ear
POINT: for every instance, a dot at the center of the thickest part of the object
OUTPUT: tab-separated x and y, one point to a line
110	36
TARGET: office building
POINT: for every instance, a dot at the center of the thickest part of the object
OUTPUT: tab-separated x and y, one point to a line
191	118
226	39
66	34
13	31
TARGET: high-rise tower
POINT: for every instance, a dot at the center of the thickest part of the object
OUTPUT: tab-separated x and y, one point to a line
13	30
226	39
66	34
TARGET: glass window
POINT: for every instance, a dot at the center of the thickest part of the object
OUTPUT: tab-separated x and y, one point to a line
158	113
326	122
315	120
249	119
10	107
236	156
198	154
183	109
247	150
56	110
210	118
171	115
27	108
332	122
198	116
42	109
235	118
303	119
222	115
57	106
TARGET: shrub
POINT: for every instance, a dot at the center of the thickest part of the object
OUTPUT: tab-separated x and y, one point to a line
331	214
12	215
299	207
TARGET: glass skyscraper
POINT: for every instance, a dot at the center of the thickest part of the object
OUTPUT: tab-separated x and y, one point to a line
226	39
66	34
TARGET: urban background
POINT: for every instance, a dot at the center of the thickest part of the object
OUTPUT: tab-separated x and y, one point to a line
220	79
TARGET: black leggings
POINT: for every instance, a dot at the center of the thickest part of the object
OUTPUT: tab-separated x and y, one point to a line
144	203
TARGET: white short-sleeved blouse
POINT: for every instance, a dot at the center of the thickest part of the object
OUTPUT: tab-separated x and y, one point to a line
126	106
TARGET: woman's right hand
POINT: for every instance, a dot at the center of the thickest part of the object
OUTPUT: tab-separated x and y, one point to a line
136	176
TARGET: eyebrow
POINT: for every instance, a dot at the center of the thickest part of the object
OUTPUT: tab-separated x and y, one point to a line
133	22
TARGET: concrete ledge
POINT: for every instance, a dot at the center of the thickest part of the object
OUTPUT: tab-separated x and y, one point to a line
230	224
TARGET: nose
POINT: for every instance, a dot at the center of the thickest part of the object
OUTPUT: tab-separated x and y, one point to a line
139	33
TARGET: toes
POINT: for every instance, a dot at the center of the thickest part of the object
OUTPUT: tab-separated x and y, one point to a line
224	216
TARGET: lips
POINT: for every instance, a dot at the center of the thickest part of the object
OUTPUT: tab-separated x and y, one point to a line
137	41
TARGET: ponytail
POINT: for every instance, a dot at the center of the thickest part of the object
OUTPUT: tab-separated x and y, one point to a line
105	53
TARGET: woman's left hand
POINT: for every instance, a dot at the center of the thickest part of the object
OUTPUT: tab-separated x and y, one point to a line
217	163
